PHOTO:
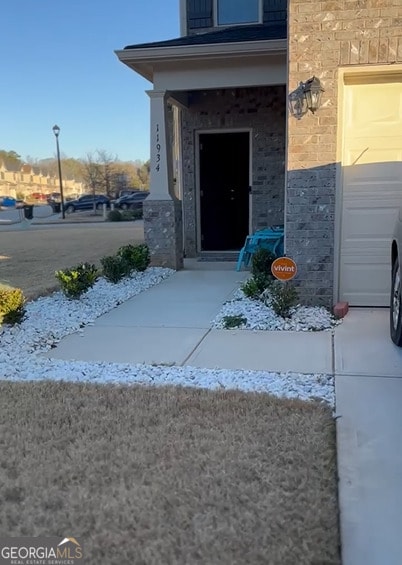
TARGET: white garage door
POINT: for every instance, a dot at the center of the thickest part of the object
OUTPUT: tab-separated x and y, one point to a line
372	188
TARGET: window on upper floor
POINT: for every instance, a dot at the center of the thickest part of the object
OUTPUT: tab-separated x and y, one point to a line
229	12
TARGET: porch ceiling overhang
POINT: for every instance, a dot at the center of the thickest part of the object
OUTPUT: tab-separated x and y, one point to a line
222	65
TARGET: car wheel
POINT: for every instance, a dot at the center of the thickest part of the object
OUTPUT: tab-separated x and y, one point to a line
395	317
124	206
70	209
99	206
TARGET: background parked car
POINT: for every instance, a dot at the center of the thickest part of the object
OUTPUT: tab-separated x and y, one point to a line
86	202
39	196
395	317
132	201
7	201
128	191
53	197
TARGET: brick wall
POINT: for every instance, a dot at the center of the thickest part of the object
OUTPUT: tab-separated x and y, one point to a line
263	110
322	37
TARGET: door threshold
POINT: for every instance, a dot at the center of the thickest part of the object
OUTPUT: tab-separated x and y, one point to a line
231	256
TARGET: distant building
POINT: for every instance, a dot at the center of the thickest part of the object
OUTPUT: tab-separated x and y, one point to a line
29	180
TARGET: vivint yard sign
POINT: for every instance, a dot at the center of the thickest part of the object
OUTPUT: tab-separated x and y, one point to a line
284	269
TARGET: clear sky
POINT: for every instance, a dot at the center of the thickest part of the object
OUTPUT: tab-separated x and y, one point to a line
58	66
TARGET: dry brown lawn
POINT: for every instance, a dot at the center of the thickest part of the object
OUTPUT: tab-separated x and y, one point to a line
169	476
29	258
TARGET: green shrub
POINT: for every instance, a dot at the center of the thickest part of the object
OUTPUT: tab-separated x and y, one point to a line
114	268
282	297
138	214
231	322
12	309
261	263
131	215
136	257
77	280
114	216
255	286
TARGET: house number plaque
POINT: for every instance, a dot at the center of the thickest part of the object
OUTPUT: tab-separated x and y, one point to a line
158	149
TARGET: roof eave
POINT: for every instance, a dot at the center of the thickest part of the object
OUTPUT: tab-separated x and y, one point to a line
142	60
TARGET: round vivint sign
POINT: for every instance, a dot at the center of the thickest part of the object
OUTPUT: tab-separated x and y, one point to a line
284	269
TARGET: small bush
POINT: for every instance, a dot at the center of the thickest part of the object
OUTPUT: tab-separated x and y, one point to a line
12	309
138	214
261	263
114	216
136	257
127	215
231	322
282	297
255	286
114	268
77	280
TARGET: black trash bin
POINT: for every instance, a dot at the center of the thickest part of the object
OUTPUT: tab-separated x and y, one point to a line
28	211
56	207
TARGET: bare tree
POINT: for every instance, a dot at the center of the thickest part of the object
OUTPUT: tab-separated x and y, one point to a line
107	164
93	177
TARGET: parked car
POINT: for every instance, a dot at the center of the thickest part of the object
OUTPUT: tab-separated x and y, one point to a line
395	310
73	196
53	197
86	202
7	201
128	191
132	201
39	196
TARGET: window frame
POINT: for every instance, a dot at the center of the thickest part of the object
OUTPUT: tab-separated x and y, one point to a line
259	21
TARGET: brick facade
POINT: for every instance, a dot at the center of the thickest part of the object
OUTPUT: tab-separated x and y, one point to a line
263	110
324	36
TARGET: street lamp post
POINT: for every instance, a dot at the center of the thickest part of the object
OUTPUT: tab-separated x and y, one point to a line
56	131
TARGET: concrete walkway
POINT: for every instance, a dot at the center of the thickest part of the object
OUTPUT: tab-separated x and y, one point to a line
369	435
170	324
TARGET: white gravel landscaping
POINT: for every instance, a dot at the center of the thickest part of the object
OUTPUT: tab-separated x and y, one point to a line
262	317
51	318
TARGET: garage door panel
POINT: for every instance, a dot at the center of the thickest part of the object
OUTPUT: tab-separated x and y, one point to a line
362	298
362	283
375	159
371	107
369	223
371	190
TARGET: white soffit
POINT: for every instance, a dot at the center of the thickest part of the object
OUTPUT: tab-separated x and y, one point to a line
146	61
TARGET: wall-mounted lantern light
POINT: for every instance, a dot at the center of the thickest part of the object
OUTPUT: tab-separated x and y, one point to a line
307	96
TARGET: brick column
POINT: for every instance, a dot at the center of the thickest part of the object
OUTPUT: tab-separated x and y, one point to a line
162	210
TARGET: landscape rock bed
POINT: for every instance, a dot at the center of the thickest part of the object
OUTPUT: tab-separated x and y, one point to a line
49	319
262	317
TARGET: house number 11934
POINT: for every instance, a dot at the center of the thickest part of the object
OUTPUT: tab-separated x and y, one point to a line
158	149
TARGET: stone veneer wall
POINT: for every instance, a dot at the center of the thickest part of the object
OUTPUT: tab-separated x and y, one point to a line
264	110
163	231
322	37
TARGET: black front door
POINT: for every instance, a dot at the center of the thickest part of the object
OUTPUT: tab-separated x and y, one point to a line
224	190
